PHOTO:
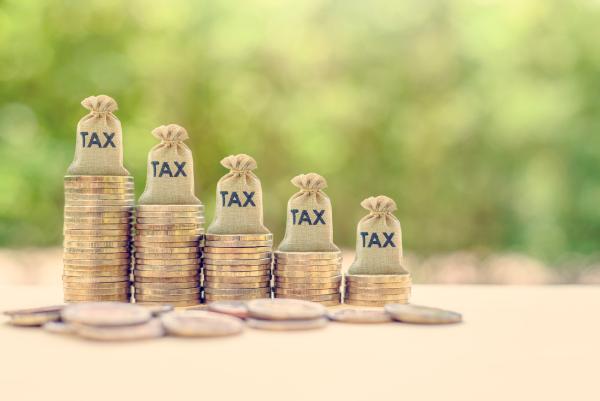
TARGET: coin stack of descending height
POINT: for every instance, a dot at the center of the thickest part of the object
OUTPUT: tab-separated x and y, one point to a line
377	277
307	263
98	207
169	225
238	247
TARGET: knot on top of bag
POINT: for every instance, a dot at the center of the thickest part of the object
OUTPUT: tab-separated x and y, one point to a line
242	163
170	134
379	205
99	105
311	182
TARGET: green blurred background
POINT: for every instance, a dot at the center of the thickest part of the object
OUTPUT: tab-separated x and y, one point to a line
480	118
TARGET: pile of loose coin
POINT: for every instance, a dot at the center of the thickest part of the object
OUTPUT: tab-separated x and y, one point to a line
97	228
311	276
377	289
168	254
237	267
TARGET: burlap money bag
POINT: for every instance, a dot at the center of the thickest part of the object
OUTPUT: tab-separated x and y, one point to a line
309	225
378	239
99	144
239	208
170	176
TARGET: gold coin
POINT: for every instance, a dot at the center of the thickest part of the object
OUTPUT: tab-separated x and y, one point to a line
239	237
212	297
255	249
287	325
237	256
98	238
166	286
105	314
367	279
167	298
166	274
96	298
109	291
82	225
181	304
75	263
321	297
197	220
96	273
127	214
169	216
307	274
162	239
95	279
349	315
307	286
168	262
79	196
329	303
236	291
124	232
235	279
99	202
167	227
97	220
98	186
169	208
285	309
232	308
170	291
171	247
240	262
96	286
167	256
213	273
312	280
34	316
98	209
356	302
92	250
182	279
378	286
201	324
166	251
98	178
297	264
167	233
85	246
377	297
305	292
102	190
303	256
378	291
238	244
96	256
260	284
238	268
324	268
167	268
422	314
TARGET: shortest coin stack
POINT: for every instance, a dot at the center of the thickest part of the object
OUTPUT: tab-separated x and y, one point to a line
237	267
311	276
377	289
97	228
167	254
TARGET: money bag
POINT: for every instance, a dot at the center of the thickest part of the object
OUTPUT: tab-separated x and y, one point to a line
170	172
309	224
239	208
378	239
99	144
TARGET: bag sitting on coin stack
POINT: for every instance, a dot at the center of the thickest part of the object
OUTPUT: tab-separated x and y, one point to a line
98	209
307	263
376	276
238	247
169	225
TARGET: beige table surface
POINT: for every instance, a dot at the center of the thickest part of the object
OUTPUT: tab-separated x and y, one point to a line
517	343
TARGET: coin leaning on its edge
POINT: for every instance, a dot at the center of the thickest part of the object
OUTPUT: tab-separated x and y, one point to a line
418	314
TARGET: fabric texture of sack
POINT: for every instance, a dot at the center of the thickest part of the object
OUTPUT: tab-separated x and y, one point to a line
378	239
309	225
239	207
99	144
170	176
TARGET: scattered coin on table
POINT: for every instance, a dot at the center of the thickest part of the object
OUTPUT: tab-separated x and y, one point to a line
233	308
359	316
422	314
285	309
106	314
59	327
142	331
201	324
34	316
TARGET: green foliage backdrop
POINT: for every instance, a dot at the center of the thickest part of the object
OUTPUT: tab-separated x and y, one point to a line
480	118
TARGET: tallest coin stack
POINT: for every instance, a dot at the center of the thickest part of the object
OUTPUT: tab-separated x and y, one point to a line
98	208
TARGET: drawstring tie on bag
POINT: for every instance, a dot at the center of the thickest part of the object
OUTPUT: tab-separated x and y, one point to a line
239	165
311	183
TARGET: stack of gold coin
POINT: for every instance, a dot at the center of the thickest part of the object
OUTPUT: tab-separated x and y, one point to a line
97	228
168	244
377	289
237	267
311	276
